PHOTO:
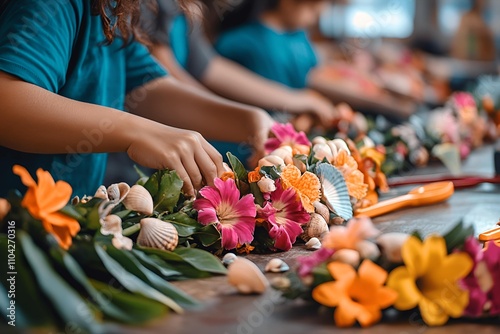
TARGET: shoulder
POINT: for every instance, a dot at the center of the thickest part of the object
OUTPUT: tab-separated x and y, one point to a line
245	36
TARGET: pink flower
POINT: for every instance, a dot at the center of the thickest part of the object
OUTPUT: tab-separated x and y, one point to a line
483	282
234	217
284	214
464	100
351	235
308	263
286	135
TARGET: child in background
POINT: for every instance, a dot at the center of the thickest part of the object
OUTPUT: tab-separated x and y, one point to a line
276	45
188	56
62	87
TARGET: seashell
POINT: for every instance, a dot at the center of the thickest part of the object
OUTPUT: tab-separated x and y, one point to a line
284	152
337	221
118	191
333	148
139	199
277	266
391	245
347	256
316	228
271	160
266	185
75	200
111	224
322	151
319	140
4	208
300	165
246	277
101	193
313	244
322	210
335	193
228	259
158	234
341	145
281	283
368	250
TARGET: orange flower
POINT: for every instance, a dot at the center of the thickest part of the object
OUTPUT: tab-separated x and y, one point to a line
354	178
371	153
357	296
254	176
227	175
44	200
244	249
307	186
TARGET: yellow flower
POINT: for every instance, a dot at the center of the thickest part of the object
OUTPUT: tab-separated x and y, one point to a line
307	186
358	296
430	279
44	200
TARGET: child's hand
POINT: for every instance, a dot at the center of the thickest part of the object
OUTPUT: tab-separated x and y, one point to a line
262	124
319	106
187	152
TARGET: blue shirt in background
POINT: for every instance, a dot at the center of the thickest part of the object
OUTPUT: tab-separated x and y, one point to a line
58	45
285	57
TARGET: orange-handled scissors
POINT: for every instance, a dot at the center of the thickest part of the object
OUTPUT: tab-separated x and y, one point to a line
428	194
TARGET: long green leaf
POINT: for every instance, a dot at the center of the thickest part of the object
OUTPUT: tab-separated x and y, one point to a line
134	279
238	168
70	306
208	235
140	309
153	184
158	264
169	192
201	260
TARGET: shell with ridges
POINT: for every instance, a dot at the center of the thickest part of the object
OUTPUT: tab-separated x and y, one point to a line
246	277
335	193
139	199
316	228
322	210
158	234
118	191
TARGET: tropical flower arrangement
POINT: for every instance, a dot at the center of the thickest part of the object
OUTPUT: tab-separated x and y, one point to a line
297	191
103	258
361	273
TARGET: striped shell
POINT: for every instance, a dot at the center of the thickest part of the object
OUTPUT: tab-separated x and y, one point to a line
335	193
139	199
157	234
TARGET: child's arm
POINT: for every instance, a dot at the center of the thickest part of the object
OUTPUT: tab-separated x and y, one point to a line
171	102
235	82
35	120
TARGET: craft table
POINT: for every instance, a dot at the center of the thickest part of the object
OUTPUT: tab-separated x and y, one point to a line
224	311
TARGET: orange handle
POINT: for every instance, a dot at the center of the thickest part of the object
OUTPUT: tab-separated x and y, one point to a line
493	234
384	207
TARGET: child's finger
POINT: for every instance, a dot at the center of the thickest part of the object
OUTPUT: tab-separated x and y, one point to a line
193	170
183	174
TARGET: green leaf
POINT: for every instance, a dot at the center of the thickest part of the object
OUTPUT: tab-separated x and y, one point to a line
201	260
271	172
257	194
136	278
71	211
185	225
139	172
139	309
31	305
456	237
158	264
169	192
208	235
69	305
238	168
153	184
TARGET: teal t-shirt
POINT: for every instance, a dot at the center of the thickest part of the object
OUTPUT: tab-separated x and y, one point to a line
285	57
58	45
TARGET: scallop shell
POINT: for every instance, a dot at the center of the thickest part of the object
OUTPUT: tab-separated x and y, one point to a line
277	266
158	234
246	277
228	259
313	244
316	228
118	191
335	193
139	199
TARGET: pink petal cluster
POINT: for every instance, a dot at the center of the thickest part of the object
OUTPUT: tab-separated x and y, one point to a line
284	215
464	100
483	282
234	217
308	263
285	135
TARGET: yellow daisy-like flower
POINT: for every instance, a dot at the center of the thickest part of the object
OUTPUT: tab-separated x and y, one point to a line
430	279
307	186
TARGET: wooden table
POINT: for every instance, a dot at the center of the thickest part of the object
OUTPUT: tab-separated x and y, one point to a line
225	311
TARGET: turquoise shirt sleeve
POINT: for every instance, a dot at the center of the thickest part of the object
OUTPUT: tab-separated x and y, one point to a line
36	40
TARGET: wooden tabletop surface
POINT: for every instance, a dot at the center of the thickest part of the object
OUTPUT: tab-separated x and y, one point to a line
224	311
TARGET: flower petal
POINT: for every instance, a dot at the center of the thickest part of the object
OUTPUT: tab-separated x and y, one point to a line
329	294
450	298
371	272
25	176
415	256
229	237
346	313
404	284
432	313
342	272
212	195
229	193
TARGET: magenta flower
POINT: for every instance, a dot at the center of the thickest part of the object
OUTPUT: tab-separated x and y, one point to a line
234	217
284	215
483	282
308	263
464	100
286	135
